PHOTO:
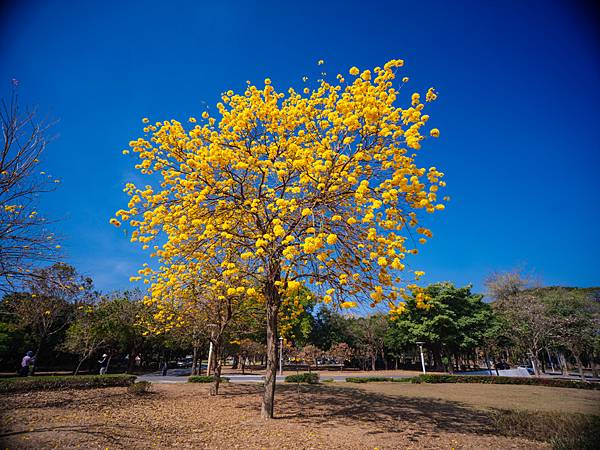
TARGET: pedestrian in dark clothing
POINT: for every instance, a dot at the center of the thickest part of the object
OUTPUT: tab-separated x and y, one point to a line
164	367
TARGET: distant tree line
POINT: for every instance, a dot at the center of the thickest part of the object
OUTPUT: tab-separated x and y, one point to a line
68	325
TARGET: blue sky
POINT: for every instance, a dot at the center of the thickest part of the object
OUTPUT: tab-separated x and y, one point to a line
518	111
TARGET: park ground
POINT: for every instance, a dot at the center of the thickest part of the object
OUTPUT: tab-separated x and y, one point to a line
326	416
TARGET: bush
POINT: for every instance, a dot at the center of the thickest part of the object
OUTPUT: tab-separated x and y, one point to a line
489	379
310	378
45	383
139	388
367	379
205	379
403	380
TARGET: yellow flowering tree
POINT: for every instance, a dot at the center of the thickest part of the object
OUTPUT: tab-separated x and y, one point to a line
206	299
319	186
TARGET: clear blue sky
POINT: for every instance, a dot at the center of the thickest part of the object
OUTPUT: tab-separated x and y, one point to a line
518	110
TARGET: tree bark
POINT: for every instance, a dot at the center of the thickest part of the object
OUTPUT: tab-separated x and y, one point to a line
214	389
195	361
79	365
579	366
272	296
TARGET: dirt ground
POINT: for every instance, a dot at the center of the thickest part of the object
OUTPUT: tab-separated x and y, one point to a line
382	416
536	398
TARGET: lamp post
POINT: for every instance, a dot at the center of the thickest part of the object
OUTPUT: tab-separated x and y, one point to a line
280	355
420	344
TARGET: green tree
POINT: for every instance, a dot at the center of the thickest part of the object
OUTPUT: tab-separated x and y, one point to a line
454	323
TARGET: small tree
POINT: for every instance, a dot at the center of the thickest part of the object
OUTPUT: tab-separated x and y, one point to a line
578	319
48	308
524	314
310	354
341	353
87	334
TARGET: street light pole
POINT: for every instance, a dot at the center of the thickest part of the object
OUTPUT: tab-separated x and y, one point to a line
420	344
280	355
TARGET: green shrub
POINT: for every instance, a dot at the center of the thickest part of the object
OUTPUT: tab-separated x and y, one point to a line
308	377
489	379
403	380
139	388
45	383
367	379
205	379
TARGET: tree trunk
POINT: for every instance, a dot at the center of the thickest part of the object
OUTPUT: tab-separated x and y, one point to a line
195	361
272	295
487	363
79	365
579	366
535	362
131	361
437	357
214	389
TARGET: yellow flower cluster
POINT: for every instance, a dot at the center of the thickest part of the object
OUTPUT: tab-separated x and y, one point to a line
321	187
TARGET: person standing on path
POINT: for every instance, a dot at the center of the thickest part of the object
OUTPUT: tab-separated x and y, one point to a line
103	364
27	361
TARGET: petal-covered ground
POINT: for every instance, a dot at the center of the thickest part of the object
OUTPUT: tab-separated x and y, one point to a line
385	416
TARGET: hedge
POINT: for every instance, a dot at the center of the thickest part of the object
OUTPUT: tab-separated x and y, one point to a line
489	379
310	378
205	379
45	383
367	379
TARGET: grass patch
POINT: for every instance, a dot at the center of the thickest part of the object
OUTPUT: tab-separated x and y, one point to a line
562	431
488	379
307	377
205	379
44	383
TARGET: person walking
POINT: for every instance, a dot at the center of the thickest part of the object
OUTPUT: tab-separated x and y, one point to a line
25	363
103	364
164	367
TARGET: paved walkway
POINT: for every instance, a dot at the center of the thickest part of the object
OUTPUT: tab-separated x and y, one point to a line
181	376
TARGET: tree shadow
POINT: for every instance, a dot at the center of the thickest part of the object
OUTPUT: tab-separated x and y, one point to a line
380	413
115	436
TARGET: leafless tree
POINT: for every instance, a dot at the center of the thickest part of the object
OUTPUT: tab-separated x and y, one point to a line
525	315
25	240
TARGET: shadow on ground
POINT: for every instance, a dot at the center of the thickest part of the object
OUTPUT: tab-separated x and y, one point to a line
381	413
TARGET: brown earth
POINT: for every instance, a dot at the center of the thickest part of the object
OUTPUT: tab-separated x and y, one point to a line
490	396
382	416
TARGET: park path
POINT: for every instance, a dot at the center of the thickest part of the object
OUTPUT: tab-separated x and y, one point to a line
181	376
